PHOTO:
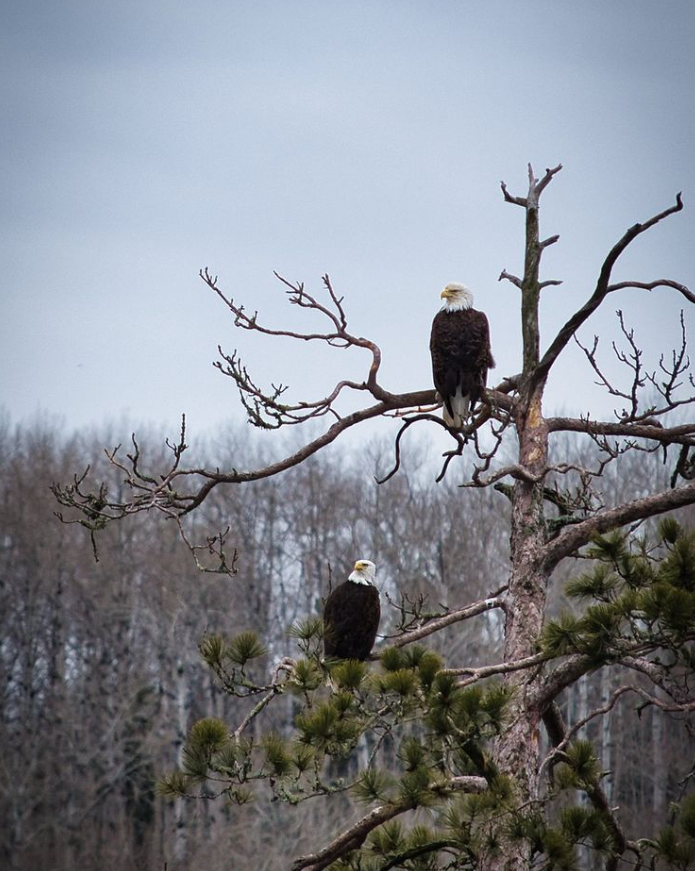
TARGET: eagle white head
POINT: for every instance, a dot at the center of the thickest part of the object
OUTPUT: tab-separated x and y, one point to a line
364	572
456	297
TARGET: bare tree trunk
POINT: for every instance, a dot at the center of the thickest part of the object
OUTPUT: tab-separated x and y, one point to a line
605	742
182	704
659	766
518	750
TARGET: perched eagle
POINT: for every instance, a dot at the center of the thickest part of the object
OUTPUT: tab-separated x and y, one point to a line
351	615
461	355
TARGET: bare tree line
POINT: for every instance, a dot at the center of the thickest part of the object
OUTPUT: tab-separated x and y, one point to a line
98	661
99	669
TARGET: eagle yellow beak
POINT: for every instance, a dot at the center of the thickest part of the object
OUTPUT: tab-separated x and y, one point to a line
359	565
444	294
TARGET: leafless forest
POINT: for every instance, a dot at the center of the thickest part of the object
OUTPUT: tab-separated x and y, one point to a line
101	676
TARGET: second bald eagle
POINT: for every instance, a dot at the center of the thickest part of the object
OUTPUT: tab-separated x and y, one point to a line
461	354
351	615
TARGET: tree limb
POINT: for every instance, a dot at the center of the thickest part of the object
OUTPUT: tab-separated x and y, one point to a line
678	435
447	620
480	672
603	288
353	837
571	538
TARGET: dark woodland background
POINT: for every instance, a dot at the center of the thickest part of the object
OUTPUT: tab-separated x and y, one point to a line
99	669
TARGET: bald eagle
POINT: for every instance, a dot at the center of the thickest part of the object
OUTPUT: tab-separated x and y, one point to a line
351	615
461	354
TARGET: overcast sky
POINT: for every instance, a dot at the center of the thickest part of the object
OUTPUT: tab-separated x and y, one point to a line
144	140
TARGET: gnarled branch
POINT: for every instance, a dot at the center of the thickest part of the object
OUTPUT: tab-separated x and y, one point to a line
602	289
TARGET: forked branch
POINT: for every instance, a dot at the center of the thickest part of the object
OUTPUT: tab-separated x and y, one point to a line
264	408
604	287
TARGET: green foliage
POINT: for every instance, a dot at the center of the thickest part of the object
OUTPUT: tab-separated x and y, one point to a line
678	569
174	785
208	734
414	788
493	705
672	610
676	852
599	627
676	844
581	823
212	649
441	700
686	818
207	737
302	757
412	753
637	572
473	714
328	729
277	759
609	548
559	852
414	849
224	760
392	659
413	655
306	676
637	593
244	647
593	634
472	821
194	764
403	682
307	630
598	584
387	839
670	530
580	768
240	795
429	666
374	785
349	673
309	635
560	637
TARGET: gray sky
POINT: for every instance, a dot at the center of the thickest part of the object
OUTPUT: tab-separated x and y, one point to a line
144	140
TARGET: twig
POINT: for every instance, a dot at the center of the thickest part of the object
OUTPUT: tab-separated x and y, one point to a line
449	619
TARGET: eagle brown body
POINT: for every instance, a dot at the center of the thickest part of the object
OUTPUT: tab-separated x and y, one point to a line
461	356
351	618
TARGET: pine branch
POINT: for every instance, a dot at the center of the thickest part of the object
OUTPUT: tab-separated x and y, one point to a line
594	791
483	671
571	538
415	852
353	837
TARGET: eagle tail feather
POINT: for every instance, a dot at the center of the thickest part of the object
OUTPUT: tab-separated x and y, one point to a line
455	411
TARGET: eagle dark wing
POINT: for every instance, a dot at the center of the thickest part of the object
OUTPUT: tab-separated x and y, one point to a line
351	619
461	354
